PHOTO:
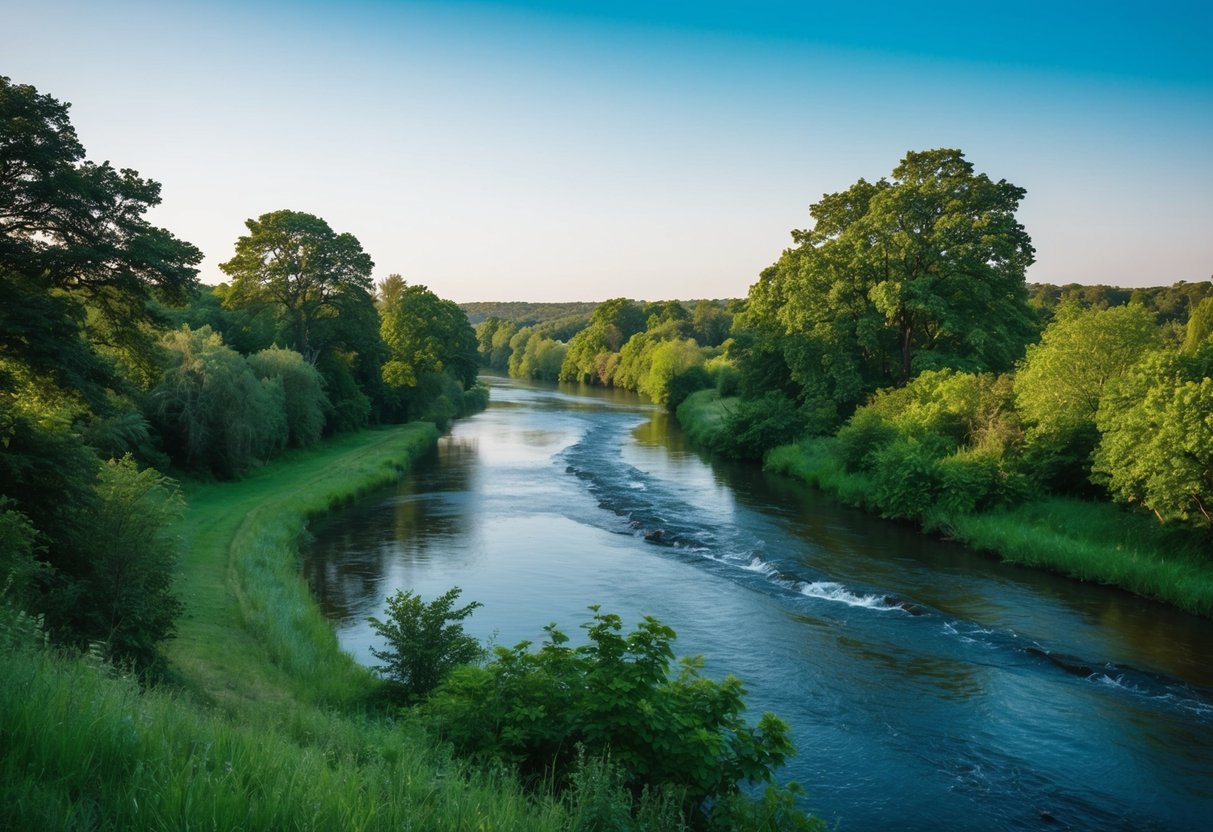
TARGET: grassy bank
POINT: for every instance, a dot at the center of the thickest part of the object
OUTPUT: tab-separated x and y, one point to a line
1090	541
701	416
251	630
268	728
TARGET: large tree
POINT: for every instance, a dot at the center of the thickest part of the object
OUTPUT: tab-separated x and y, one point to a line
79	268
295	262
424	334
923	270
1156	447
73	237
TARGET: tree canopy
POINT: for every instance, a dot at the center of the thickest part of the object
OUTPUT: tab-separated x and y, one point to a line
921	271
424	334
296	262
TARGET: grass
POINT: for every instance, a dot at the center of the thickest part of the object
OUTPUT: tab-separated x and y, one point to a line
1090	541
268	728
701	416
239	567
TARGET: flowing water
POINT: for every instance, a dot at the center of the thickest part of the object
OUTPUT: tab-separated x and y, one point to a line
927	687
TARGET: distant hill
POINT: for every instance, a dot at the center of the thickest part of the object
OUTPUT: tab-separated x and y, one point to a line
524	312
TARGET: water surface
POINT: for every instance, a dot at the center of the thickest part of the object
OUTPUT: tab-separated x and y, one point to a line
927	687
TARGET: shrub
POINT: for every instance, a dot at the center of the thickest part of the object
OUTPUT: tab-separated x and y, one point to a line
425	642
212	411
304	400
757	425
675	733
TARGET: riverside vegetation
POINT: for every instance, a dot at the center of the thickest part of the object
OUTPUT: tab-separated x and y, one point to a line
165	665
896	358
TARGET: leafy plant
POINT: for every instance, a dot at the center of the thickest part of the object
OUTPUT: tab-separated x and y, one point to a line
425	642
615	694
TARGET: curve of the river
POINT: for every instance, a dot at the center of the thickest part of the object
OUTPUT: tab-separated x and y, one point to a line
928	687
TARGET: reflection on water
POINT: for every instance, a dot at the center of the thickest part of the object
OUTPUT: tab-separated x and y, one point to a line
927	686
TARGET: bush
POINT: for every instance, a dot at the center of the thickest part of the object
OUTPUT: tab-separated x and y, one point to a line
126	601
304	401
210	408
681	734
425	642
757	425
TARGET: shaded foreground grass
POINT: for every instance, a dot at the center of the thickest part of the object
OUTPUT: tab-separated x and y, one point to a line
1091	541
267	729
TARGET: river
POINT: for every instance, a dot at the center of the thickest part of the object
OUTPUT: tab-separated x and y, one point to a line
928	687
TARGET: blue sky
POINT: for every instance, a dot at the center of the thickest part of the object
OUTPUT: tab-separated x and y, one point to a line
567	151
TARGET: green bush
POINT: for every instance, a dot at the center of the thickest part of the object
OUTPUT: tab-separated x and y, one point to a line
681	733
425	642
757	425
304	400
212	411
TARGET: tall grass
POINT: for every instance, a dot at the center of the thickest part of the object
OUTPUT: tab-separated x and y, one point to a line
1090	541
83	749
1098	542
701	416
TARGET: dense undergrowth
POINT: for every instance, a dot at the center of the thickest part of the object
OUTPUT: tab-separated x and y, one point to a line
1092	541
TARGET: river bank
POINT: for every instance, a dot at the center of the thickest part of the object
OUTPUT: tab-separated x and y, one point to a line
269	726
1088	541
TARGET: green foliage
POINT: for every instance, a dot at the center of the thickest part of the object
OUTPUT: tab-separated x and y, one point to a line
295	263
755	425
525	313
612	324
676	733
85	749
19	565
1062	379
923	271
73	233
536	357
126	600
1200	326
424	334
1156	448
304	400
425	642
211	409
945	444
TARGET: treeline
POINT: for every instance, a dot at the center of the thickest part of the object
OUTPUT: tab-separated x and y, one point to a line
898	342
664	349
526	313
116	365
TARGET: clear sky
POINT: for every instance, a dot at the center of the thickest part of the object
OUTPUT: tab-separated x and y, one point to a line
541	150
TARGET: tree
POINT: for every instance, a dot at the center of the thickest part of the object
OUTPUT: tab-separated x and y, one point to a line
922	271
424	334
80	270
76	227
1156	444
127	599
1061	382
212	410
425	642
1200	326
297	263
304	401
611	325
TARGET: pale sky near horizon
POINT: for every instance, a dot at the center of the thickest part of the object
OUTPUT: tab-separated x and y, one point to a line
544	151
